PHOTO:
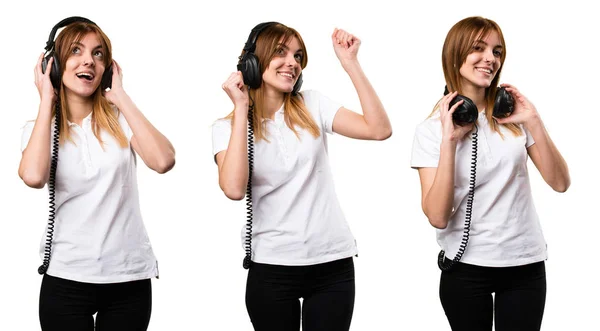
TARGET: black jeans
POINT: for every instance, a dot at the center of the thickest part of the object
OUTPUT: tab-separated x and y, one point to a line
327	289
520	295
68	305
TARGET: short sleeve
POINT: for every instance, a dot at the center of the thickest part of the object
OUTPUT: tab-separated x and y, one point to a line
529	138
323	106
426	144
221	133
26	132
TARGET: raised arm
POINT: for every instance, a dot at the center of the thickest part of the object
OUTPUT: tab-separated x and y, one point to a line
233	162
152	146
35	160
437	184
374	124
543	153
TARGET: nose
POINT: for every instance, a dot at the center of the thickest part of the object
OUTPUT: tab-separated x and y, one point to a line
290	60
88	59
489	56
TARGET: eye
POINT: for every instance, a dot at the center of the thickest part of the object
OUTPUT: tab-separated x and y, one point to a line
477	48
75	50
298	57
279	51
497	53
98	53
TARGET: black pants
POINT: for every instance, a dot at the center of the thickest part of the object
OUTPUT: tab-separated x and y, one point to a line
520	295
68	305
273	293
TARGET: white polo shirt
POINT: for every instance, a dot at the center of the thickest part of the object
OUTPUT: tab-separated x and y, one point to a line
99	236
297	217
505	230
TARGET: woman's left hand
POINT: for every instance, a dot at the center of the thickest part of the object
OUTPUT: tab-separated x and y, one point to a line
345	45
116	85
524	111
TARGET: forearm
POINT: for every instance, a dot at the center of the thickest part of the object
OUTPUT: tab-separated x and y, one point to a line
233	173
373	111
35	160
437	204
154	148
552	165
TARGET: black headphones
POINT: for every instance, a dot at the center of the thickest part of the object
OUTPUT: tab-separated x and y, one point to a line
467	112
55	74
248	63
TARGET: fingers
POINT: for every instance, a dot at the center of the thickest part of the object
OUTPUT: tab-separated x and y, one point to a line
49	67
344	38
38	66
235	81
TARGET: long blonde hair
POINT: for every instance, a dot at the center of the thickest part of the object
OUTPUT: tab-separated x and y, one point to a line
457	46
103	115
295	112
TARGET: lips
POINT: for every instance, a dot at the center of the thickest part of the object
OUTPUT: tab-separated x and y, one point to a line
484	70
85	75
286	74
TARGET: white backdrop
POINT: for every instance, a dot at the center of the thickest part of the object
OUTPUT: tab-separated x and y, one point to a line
175	57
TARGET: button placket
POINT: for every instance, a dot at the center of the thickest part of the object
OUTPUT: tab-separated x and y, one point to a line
278	125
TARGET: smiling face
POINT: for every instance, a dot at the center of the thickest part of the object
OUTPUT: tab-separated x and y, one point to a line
84	66
285	67
482	64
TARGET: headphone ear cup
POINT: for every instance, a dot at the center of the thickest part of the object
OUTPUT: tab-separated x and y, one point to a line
297	86
54	71
107	77
465	113
503	104
250	68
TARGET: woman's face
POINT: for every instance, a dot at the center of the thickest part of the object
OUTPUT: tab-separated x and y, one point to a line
482	63
284	69
85	66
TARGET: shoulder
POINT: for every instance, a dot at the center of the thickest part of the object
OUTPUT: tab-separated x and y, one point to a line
431	125
221	123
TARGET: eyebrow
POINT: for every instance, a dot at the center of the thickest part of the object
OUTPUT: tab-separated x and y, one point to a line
483	42
80	44
287	48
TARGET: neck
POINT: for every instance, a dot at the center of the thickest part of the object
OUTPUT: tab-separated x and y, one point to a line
79	108
272	103
477	95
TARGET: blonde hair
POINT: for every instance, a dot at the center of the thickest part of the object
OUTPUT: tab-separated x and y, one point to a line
295	112
457	46
103	115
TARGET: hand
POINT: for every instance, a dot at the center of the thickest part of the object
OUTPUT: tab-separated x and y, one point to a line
345	46
450	130
236	90
42	80
524	112
116	87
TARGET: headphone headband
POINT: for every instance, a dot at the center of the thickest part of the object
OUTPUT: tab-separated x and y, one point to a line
63	23
251	42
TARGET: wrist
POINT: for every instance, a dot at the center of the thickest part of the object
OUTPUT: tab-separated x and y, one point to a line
533	122
350	65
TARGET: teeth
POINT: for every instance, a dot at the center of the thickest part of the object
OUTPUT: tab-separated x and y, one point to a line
489	71
285	74
84	74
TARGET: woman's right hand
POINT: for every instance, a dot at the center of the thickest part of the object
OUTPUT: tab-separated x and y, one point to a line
42	80
450	130
236	90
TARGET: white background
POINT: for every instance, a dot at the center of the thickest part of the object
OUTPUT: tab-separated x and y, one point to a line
175	57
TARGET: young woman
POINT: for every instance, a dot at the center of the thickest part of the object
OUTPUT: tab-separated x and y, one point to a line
301	246
101	259
506	249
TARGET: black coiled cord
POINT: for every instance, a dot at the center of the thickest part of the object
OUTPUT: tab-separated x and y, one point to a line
443	263
248	245
51	191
